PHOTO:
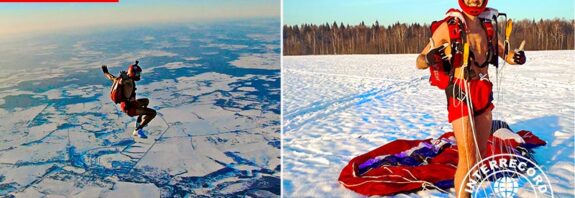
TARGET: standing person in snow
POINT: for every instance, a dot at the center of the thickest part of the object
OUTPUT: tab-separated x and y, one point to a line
124	92
464	85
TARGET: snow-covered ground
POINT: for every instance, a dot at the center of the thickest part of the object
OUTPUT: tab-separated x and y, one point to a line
338	107
217	133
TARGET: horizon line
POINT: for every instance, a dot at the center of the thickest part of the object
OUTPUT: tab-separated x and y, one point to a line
398	22
81	29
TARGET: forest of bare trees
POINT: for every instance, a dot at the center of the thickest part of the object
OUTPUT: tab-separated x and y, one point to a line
400	38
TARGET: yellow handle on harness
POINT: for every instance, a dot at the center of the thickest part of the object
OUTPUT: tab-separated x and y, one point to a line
465	54
460	71
508	29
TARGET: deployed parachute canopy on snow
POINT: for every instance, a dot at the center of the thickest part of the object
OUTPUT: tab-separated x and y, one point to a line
403	166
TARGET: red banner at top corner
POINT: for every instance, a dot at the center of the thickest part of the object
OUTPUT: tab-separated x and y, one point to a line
59	1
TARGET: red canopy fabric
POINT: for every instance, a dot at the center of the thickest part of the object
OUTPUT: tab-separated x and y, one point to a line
436	172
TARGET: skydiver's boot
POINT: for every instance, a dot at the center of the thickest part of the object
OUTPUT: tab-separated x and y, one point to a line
138	131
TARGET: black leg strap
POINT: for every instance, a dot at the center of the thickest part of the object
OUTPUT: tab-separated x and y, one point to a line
454	91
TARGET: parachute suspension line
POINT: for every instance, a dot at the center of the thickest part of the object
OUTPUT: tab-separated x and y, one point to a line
464	125
424	184
153	144
499	77
469	101
472	121
506	45
497	80
470	109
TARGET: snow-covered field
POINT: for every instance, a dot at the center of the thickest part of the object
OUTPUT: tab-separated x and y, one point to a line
217	133
338	107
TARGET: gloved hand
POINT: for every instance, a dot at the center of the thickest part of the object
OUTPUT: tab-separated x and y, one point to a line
436	55
519	57
105	69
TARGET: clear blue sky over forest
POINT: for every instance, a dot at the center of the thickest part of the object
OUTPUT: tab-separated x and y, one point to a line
411	11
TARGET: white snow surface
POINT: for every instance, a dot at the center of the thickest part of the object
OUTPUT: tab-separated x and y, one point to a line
257	61
337	107
187	139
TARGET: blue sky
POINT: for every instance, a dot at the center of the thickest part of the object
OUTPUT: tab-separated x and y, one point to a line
243	4
410	11
22	18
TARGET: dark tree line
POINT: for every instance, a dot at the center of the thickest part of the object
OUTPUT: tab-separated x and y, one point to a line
401	38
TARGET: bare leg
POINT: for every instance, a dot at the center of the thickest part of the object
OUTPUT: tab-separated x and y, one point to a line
483	130
138	121
147	116
467	153
143	102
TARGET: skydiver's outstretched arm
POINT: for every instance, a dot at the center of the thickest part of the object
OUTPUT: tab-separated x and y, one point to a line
107	74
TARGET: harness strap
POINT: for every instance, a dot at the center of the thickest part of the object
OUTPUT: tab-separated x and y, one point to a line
455	91
133	94
457	36
492	47
443	75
